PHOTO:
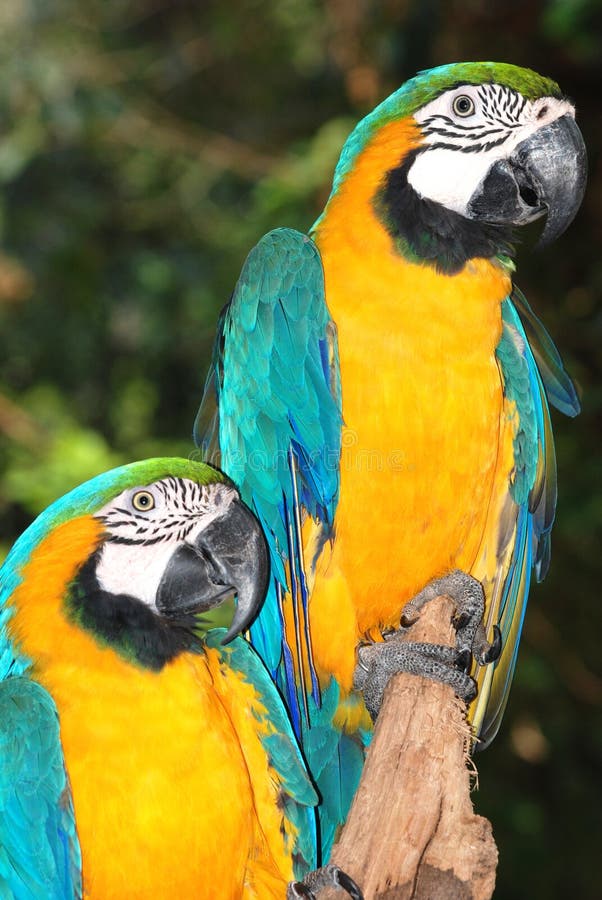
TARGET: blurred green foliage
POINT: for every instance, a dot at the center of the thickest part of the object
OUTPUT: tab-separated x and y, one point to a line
144	147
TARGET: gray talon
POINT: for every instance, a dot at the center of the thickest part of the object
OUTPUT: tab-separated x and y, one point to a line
460	620
298	889
408	617
349	885
491	652
467	594
326	877
464	660
378	662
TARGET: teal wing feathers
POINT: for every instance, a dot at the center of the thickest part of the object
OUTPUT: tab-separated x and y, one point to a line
39	849
532	373
298	796
560	390
272	405
278	425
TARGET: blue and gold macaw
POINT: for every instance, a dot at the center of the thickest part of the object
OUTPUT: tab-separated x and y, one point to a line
141	756
382	398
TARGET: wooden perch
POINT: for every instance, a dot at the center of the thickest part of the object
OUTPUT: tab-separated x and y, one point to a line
411	831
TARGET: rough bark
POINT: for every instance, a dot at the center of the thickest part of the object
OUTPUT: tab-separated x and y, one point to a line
412	831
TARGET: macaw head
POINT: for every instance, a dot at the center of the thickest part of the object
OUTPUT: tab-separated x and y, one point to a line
155	544
462	152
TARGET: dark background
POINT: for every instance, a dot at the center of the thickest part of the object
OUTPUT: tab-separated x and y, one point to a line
145	145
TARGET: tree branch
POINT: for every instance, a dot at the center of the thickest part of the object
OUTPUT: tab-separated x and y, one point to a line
412	833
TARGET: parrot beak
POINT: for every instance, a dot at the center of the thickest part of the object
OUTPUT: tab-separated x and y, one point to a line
546	174
229	556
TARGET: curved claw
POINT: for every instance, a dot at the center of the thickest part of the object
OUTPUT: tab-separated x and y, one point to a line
349	885
327	877
492	653
460	620
408	617
471	691
464	661
298	889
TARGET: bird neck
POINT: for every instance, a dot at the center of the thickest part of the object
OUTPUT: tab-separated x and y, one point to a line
370	283
37	624
428	233
377	209
125	623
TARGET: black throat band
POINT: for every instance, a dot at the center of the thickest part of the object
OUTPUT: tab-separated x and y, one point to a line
426	232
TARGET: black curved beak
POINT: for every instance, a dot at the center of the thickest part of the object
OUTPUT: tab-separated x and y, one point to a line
230	556
546	174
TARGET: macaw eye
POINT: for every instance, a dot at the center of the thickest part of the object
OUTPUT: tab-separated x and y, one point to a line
463	105
143	501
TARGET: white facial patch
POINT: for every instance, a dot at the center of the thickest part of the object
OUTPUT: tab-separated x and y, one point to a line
463	147
133	569
140	542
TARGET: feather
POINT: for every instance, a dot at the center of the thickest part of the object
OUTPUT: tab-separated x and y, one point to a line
39	849
298	796
529	514
277	365
278	378
559	387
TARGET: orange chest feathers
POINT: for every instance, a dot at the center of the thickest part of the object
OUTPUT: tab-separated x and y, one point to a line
171	787
422	405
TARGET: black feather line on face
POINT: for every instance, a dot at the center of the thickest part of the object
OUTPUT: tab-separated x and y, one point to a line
425	231
126	624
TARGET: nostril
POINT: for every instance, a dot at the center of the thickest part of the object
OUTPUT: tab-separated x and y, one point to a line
542	112
527	192
529	196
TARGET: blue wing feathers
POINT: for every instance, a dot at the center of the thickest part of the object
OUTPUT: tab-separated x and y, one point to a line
39	850
337	760
531	376
513	608
279	398
275	392
559	387
534	449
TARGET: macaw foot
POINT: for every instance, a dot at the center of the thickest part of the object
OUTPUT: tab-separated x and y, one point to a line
378	662
467	594
327	877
